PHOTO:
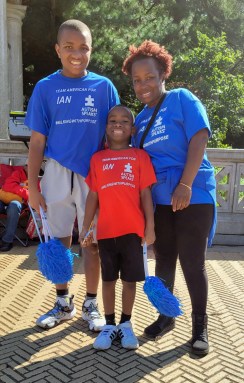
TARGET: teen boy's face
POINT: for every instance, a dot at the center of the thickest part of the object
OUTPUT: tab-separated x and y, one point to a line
119	125
74	51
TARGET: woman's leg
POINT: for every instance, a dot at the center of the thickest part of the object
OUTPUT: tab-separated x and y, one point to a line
193	226
165	246
166	252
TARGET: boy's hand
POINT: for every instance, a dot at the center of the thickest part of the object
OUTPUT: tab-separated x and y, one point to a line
36	200
86	237
149	236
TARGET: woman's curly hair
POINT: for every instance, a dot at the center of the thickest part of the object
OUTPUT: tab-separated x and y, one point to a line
149	49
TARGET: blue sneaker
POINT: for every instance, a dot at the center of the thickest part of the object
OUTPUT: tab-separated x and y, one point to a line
64	309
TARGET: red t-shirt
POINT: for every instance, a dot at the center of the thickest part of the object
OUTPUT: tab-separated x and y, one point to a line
118	176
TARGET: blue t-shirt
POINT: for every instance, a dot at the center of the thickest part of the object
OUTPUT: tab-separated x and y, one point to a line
72	114
179	118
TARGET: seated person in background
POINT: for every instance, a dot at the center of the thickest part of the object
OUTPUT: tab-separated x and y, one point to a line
15	188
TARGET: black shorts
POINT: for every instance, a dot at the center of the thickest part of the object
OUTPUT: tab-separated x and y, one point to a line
122	257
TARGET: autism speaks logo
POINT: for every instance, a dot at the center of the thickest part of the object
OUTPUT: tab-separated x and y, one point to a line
89	108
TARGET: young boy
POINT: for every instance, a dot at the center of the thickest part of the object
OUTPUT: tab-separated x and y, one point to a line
67	114
119	179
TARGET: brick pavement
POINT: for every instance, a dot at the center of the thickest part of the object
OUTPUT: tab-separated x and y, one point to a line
65	354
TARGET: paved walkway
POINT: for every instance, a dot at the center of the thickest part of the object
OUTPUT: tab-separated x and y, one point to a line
65	354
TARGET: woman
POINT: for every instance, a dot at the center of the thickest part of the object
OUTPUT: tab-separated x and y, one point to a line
184	195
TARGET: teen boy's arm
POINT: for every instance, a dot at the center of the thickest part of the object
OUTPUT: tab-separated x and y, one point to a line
147	206
90	211
35	158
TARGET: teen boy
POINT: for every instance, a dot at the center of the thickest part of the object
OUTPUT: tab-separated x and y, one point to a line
119	179
67	114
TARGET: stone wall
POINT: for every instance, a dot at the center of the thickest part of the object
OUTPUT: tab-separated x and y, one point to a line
229	164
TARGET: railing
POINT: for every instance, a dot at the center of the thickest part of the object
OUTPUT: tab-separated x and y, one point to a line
12	151
229	165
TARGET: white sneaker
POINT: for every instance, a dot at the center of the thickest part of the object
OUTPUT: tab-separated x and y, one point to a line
105	338
91	314
64	309
127	336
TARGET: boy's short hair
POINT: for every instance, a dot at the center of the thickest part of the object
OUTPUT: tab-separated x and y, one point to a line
76	25
125	107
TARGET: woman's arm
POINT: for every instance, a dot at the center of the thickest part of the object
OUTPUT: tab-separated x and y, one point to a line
182	193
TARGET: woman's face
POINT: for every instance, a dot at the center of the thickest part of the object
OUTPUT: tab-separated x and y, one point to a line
147	81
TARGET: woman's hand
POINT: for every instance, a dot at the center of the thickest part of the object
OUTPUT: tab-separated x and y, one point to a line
182	193
181	197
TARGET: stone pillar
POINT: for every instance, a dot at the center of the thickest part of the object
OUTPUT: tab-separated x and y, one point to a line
4	85
15	15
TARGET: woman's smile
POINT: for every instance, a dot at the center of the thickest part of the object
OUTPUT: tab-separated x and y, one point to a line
147	81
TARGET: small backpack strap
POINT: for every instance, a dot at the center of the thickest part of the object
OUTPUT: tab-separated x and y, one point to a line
151	121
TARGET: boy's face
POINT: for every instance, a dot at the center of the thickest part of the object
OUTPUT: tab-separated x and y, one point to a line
74	51
119	125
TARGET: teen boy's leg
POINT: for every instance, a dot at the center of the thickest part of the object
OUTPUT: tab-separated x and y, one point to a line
61	213
64	308
90	311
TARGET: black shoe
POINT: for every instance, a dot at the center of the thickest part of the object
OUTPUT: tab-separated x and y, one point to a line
6	246
160	327
199	341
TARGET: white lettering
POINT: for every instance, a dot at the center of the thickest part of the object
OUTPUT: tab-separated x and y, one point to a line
64	100
108	167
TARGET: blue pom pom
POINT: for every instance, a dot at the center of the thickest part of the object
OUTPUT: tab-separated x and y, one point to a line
55	261
161	298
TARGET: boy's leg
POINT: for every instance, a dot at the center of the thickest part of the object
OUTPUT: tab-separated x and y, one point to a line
125	331
109	297
128	297
132	271
109	276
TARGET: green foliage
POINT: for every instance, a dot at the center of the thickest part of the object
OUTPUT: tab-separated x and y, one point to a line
209	71
209	63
